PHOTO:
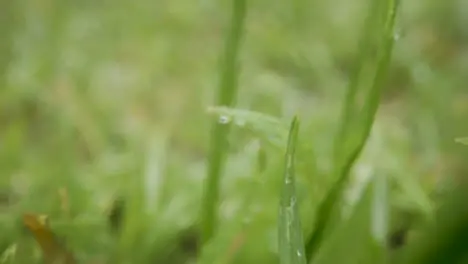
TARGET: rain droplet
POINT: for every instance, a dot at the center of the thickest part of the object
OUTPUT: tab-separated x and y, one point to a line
299	254
224	119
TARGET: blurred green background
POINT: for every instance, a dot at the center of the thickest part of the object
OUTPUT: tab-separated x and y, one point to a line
106	99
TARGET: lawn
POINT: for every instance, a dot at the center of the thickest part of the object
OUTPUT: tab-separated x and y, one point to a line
234	131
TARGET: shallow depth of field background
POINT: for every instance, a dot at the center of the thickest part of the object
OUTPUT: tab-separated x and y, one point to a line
106	99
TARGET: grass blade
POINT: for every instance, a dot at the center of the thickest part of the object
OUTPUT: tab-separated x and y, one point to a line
368	222
268	128
349	110
291	244
363	125
226	96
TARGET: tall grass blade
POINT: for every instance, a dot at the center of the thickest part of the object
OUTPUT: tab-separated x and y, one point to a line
291	244
357	81
363	119
227	91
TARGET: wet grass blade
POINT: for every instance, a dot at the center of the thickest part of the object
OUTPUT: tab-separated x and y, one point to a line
291	244
227	92
268	128
352	141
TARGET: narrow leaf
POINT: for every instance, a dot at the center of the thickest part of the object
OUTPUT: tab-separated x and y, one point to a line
227	93
268	128
291	244
349	142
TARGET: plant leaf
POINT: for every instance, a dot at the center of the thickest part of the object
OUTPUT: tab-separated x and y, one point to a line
268	128
227	94
357	121
361	238
291	244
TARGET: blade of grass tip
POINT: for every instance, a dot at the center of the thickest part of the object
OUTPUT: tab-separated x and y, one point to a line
291	244
371	105
227	91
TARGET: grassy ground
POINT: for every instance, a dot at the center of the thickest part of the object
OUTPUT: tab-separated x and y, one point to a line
112	100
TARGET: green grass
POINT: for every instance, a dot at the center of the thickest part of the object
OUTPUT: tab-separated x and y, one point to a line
290	241
126	101
227	93
352	137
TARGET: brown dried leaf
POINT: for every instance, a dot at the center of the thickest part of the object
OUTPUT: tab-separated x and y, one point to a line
53	251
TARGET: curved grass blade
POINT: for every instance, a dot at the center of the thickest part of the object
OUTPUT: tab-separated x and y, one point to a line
352	137
291	244
268	128
227	91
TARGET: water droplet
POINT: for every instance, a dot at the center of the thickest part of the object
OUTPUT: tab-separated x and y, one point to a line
396	36
299	254
224	119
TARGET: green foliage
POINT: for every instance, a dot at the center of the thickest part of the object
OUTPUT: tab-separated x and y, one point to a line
290	241
267	128
105	103
226	96
368	221
445	240
357	123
